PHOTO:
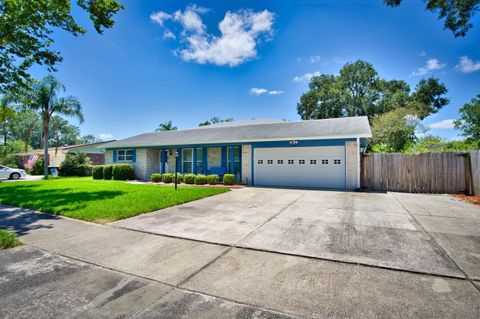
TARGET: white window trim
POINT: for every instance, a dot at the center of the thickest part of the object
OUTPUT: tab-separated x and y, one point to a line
125	160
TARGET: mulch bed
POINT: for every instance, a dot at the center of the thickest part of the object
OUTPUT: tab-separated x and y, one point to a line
234	186
472	199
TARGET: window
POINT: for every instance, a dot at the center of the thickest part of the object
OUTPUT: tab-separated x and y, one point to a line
124	155
324	161
337	161
260	161
301	161
199	163
280	162
313	161
269	161
236	160
290	162
187	160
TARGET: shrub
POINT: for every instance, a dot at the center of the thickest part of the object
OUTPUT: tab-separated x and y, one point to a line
156	178
228	179
8	240
123	172
107	172
189	178
76	164
97	172
200	179
179	178
212	179
37	168
167	178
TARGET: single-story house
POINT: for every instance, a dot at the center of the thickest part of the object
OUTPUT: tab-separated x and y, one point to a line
314	153
56	155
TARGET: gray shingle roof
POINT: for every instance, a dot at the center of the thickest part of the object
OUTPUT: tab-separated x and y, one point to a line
252	131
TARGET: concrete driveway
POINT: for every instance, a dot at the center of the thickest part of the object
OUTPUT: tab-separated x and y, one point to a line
431	234
251	253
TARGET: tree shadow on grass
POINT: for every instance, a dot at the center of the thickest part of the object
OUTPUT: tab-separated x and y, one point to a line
56	201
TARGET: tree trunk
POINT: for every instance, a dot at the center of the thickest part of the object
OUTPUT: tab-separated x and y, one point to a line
45	148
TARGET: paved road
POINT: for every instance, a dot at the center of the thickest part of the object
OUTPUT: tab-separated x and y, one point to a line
251	253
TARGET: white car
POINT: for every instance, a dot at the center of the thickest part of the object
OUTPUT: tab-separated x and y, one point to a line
11	173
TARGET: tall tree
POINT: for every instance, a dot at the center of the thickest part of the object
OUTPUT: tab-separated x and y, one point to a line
23	126
215	120
166	126
469	122
45	100
6	113
63	133
359	91
88	139
457	13
26	28
395	130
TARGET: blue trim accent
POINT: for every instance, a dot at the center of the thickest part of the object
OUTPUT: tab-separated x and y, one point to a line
232	160
194	161
179	160
223	159
114	159
134	155
163	160
204	160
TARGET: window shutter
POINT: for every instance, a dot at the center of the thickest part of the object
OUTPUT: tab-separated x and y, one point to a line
134	155
114	159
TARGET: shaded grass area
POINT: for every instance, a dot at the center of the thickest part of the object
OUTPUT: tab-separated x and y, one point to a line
97	200
8	240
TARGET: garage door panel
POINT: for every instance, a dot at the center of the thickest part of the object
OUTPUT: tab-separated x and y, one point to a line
321	167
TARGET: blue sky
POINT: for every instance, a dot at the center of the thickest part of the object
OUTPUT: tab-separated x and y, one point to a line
135	76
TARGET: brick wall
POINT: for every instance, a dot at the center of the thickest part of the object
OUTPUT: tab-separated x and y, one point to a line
247	164
352	156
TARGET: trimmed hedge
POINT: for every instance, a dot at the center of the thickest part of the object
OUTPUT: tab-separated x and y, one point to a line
156	178
200	179
228	179
107	172
97	172
123	172
212	179
75	164
179	178
167	178
37	168
189	179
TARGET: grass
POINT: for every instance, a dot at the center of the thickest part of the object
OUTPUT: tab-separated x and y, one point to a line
97	200
8	240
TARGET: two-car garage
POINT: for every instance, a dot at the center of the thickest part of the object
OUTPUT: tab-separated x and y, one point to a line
319	167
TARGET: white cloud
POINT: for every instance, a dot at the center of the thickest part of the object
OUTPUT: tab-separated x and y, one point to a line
306	77
237	43
423	53
169	35
442	125
467	65
260	91
160	17
314	58
432	65
275	92
105	136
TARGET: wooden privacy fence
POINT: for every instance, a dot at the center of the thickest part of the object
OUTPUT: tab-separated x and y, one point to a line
422	173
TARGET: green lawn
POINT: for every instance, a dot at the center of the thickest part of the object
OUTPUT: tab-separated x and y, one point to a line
8	240
97	200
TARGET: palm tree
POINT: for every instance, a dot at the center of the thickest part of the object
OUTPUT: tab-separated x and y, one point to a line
166	126
44	99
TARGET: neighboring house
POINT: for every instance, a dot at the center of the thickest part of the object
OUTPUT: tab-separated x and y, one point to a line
94	151
315	153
